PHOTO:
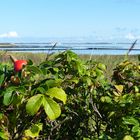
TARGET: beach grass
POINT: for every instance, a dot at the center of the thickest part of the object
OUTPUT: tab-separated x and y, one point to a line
110	61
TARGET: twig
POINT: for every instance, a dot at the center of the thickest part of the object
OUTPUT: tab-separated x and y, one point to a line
95	108
91	55
132	46
51	50
67	118
4	53
56	126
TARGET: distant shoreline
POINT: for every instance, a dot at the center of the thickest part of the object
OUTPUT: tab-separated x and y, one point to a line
7	44
96	48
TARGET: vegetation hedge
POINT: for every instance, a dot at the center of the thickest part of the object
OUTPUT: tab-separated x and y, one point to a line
66	98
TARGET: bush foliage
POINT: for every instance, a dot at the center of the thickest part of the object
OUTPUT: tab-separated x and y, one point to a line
65	98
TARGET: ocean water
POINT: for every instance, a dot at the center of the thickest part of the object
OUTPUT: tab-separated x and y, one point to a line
97	48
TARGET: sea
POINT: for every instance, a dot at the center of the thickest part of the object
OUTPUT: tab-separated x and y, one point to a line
90	48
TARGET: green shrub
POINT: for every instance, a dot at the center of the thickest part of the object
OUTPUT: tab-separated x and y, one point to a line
95	107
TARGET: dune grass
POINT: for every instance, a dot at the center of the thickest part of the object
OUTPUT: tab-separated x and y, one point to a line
110	61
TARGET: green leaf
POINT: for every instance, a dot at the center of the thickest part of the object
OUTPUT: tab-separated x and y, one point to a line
103	137
88	81
41	90
1	116
34	103
52	83
56	69
17	99
58	93
119	88
86	138
34	130
136	89
1	79
106	99
128	137
34	69
30	62
4	135
21	89
130	121
112	113
52	109
98	72
8	95
136	128
74	80
101	66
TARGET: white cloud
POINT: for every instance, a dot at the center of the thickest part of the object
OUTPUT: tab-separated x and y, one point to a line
130	36
9	35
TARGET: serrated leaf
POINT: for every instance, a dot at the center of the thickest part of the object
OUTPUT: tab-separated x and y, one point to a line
33	131
34	103
52	109
58	93
119	88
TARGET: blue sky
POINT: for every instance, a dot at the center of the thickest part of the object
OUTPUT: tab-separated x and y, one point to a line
94	19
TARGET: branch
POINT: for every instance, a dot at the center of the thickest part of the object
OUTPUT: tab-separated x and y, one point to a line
95	108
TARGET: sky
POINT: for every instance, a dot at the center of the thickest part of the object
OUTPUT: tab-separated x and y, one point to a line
81	19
